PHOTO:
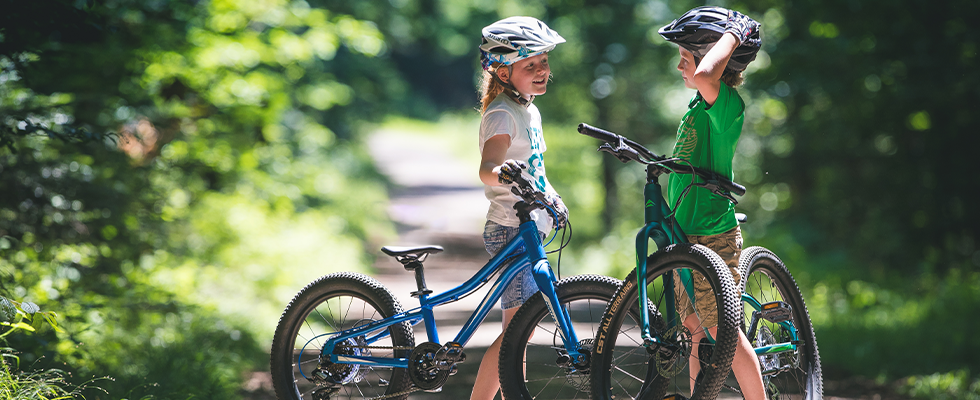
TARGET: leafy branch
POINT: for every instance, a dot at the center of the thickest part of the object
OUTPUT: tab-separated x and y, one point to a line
25	316
70	134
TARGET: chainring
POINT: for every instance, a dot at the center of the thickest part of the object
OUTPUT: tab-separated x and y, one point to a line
423	367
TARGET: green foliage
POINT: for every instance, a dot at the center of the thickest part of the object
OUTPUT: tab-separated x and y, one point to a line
24	316
16	384
232	176
943	386
862	325
45	385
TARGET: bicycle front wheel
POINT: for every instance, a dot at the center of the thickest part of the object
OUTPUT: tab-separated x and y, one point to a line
331	304
788	372
624	367
533	363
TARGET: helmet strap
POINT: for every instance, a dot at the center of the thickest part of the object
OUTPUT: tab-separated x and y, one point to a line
510	90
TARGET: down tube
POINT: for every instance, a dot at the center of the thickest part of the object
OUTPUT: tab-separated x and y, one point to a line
642	245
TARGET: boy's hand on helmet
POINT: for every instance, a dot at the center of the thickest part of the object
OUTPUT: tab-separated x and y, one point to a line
554	201
510	170
741	26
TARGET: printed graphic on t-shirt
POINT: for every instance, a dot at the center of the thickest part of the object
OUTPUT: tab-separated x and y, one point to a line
687	139
536	162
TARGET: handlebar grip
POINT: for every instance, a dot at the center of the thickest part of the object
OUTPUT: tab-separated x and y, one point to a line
735	188
597	133
722	181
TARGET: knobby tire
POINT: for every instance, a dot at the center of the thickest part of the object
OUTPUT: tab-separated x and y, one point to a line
330	304
623	368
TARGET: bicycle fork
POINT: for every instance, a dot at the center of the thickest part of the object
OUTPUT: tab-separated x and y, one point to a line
544	277
654	212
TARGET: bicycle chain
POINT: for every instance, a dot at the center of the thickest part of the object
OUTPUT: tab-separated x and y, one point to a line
382	347
410	390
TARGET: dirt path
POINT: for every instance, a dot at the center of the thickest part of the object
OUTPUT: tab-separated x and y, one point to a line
439	200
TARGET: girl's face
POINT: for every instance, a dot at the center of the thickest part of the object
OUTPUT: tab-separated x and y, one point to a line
687	67
529	76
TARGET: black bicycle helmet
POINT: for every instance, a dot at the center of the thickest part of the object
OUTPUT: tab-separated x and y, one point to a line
700	28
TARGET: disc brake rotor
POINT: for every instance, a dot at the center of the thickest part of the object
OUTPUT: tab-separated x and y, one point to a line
578	378
768	362
672	357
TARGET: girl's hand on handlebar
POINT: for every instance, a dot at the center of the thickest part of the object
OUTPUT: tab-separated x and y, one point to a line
554	201
510	170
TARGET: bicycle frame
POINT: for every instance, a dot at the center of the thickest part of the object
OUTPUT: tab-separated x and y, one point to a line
529	251
655	214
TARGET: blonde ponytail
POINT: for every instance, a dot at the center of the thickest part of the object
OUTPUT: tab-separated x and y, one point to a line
490	88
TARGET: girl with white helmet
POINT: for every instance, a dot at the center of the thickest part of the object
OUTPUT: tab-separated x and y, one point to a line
514	55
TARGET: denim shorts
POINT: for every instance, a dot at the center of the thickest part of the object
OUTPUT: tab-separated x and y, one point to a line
495	237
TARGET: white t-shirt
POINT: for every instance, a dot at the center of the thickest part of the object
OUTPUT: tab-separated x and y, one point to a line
504	116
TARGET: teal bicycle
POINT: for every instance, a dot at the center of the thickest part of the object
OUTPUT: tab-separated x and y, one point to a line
647	358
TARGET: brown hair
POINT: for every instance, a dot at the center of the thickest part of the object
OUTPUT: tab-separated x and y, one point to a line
732	78
490	88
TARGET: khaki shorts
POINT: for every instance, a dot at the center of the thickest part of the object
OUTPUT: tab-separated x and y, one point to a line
728	245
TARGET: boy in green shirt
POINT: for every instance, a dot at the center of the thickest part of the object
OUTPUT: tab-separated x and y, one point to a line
715	45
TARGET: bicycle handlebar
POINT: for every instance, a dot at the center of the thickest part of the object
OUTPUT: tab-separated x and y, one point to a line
527	192
623	144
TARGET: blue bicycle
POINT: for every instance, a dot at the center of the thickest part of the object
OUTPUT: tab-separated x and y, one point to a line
346	336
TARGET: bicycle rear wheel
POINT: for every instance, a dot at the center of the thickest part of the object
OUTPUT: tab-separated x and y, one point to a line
334	303
533	363
624	368
790	374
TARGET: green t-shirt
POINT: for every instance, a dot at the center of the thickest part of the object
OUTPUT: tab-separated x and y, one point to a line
707	137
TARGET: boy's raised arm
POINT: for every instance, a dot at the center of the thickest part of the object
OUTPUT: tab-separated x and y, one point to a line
707	77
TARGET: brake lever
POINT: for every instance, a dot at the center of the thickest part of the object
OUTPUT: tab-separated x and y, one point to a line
716	189
630	155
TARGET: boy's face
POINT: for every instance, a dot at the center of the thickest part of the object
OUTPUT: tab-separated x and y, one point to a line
687	66
529	76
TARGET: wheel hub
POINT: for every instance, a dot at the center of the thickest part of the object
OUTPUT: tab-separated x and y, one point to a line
335	374
577	373
768	362
671	357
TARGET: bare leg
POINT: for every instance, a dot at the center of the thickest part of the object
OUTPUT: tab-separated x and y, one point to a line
745	365
747	370
693	325
487	379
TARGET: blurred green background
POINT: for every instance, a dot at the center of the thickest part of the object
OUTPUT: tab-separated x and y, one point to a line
172	172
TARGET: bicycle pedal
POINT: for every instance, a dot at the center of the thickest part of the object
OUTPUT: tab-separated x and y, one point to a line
776	312
674	397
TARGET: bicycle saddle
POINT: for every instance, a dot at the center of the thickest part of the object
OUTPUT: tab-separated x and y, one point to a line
414	251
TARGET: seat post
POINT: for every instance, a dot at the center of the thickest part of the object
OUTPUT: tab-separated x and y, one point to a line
416	265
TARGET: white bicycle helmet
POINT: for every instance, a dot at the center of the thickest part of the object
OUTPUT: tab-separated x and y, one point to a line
515	38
